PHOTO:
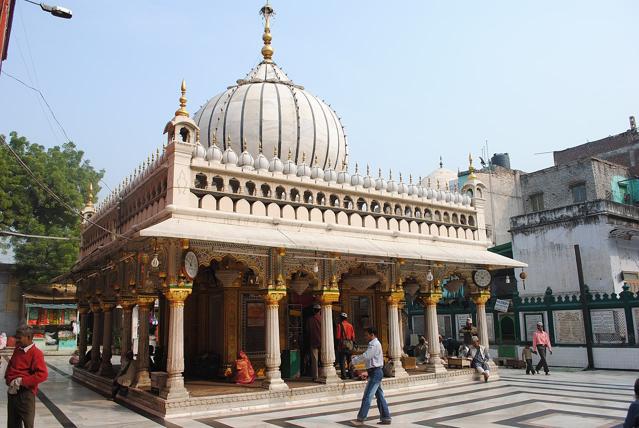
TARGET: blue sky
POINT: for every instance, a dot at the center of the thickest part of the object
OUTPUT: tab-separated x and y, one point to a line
411	80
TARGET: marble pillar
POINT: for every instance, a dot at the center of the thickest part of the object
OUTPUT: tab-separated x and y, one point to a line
96	337
106	369
127	326
174	388
402	332
430	300
394	333
145	303
480	299
82	337
273	359
328	374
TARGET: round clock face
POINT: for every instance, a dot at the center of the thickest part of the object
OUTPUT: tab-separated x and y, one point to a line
190	264
482	278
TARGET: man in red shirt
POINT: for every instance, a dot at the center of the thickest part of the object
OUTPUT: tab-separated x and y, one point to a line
345	339
25	372
541	342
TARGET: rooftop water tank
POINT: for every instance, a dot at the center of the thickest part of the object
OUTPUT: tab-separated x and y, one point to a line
501	159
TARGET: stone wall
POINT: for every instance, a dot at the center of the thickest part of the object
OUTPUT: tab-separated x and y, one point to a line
503	200
556	183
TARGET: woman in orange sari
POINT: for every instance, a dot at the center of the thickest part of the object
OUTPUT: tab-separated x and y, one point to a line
244	373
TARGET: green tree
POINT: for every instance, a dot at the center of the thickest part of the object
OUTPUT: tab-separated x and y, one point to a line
25	207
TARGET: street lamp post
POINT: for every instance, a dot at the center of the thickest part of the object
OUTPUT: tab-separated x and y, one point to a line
60	12
6	17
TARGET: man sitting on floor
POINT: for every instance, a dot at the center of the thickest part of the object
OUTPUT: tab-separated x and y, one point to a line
478	356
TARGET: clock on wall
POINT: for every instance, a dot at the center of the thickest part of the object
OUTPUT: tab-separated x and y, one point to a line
190	264
482	278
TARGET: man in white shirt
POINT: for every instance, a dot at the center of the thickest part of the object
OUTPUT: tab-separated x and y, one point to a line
374	361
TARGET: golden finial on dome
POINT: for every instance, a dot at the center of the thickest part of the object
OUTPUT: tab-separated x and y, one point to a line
267	50
214	141
259	147
329	164
303	157
356	168
245	145
368	169
390	174
379	172
441	163
90	196
182	110
410	178
228	142
471	169
315	161
290	154
400	177
274	152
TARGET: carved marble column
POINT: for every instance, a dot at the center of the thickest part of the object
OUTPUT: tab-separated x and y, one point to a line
273	360
174	388
82	337
145	303
328	374
394	332
96	332
106	369
480	298
127	327
430	300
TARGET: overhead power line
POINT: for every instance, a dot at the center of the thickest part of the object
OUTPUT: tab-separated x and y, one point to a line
24	235
53	194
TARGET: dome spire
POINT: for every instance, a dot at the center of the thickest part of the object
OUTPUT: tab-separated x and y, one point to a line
182	110
267	50
441	163
90	196
471	169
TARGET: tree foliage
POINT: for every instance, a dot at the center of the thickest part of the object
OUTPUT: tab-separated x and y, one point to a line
25	207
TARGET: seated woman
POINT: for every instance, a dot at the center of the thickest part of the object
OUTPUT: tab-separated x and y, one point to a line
244	373
478	356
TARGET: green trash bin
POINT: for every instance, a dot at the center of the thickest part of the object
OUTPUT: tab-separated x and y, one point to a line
291	364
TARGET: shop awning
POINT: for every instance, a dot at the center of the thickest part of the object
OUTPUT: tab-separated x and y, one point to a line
320	239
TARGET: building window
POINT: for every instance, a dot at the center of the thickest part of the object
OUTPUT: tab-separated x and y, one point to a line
578	193
537	202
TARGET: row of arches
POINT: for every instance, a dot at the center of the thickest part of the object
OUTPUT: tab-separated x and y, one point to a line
331	200
330	216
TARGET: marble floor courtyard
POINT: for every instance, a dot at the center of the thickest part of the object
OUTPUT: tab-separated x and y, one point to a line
563	399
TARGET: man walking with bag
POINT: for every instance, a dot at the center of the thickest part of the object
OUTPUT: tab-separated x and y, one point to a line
25	372
345	342
374	360
541	342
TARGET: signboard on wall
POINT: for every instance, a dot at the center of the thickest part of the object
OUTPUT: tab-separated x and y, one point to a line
502	305
603	321
569	327
530	324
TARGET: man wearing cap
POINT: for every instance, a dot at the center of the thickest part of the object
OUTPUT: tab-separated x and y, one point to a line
468	330
541	342
26	370
345	337
314	328
479	357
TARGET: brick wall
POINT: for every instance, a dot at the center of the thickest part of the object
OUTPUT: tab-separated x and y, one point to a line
557	181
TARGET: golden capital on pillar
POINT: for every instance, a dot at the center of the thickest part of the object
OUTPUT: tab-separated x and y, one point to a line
396	297
107	306
95	307
274	295
328	296
481	297
127	303
177	294
431	298
83	308
145	300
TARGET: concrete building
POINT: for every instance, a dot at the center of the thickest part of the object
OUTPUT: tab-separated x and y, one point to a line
622	149
584	204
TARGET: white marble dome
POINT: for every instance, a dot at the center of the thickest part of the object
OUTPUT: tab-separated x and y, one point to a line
442	175
268	107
